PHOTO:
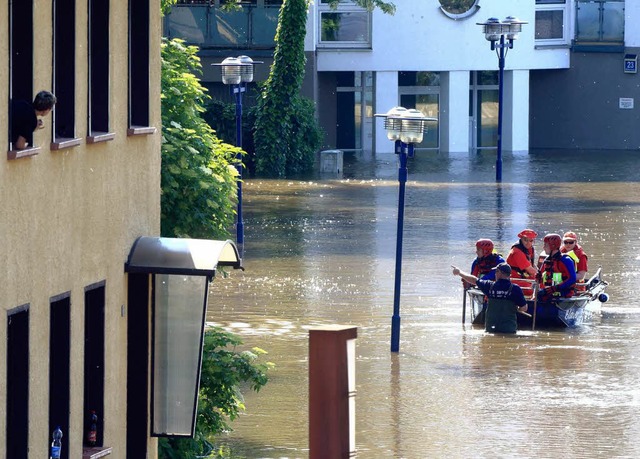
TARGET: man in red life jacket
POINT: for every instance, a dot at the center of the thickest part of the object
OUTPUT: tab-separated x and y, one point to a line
571	247
521	258
486	260
558	273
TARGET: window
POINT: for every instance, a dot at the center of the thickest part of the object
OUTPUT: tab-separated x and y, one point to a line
348	26
94	310
551	22
421	90
98	110
20	62
139	68
59	359
600	21
17	382
64	71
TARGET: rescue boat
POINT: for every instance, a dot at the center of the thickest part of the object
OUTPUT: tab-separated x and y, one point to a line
561	313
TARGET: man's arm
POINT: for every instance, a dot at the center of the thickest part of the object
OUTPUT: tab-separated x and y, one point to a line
466	276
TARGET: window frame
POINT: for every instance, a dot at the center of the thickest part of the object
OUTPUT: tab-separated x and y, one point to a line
345	6
567	29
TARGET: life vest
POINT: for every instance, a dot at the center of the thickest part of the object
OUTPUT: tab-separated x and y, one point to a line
555	272
485	264
530	256
571	254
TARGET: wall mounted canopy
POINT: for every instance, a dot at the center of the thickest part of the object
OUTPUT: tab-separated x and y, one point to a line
194	257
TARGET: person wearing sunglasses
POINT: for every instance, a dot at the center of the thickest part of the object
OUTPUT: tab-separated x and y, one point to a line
571	247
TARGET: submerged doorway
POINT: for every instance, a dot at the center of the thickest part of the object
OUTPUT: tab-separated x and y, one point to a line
354	111
483	110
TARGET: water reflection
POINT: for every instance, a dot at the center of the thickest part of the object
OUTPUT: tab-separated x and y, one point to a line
322	251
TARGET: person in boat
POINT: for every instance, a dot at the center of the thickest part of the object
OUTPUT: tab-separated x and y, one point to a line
486	260
521	258
558	274
571	247
505	299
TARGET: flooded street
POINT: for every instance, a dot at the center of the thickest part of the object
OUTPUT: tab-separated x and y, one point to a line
322	252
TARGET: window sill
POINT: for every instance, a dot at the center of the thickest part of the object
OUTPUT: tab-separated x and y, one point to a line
62	144
141	130
553	46
17	154
94	452
98	137
597	47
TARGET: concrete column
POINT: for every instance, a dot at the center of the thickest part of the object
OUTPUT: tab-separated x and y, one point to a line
454	112
515	122
386	97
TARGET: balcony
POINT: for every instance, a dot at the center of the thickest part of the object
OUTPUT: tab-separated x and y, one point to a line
203	23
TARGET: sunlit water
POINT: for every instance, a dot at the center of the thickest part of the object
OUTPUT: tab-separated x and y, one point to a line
322	251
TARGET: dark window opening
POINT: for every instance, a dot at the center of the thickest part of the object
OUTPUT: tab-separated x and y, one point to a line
138	63
98	67
94	310
17	416
59	360
21	56
64	37
137	365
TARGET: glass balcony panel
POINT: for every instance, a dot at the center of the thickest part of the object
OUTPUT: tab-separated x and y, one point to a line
588	22
190	24
229	28
265	23
613	21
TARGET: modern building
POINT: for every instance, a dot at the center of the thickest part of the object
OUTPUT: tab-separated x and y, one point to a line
88	297
569	80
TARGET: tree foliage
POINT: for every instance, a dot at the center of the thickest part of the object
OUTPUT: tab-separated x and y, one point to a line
198	179
224	371
286	133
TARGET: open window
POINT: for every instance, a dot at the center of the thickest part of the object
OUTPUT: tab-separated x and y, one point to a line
64	74
98	109
17	382
59	361
20	68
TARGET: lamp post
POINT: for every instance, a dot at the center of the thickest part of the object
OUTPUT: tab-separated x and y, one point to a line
237	72
405	127
501	35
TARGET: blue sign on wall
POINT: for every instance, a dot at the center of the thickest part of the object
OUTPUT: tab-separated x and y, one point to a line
630	63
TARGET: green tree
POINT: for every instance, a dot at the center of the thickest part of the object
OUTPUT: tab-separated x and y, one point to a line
224	371
198	179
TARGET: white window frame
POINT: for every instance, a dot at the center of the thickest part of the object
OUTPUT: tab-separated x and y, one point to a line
567	29
345	6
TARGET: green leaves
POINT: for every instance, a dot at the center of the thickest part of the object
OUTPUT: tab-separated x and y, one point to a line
198	186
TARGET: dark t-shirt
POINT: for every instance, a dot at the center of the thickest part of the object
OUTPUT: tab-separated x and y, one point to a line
504	296
23	120
501	290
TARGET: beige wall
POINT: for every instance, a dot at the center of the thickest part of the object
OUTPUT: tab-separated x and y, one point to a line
69	218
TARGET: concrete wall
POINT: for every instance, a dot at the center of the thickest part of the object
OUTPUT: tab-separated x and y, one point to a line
580	107
69	218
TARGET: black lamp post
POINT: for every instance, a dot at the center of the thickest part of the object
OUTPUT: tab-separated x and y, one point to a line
237	72
405	127
501	35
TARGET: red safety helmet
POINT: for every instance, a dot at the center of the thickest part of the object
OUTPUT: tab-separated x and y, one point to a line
486	245
570	235
554	241
527	233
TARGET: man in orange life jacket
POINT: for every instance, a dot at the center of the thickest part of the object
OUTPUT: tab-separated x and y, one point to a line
558	272
569	245
486	260
522	255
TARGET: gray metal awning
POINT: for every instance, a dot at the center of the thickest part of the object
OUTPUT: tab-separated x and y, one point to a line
195	257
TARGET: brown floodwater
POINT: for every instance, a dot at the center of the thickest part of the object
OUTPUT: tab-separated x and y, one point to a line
322	251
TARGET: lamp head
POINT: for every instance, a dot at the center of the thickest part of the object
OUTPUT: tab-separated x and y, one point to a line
412	126
492	29
231	70
246	71
512	27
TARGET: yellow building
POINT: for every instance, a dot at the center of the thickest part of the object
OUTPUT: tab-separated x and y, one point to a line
75	201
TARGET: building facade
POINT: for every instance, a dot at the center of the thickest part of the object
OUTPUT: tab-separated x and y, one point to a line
565	82
76	200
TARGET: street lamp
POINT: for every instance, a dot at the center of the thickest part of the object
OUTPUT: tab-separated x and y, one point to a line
501	35
237	72
405	127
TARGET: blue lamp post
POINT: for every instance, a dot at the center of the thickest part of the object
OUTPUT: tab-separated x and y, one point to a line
501	35
237	72
405	127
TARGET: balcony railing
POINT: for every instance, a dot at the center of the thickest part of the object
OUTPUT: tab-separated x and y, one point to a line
203	23
599	21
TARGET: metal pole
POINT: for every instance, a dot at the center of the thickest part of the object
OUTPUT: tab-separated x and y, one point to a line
401	151
501	55
238	89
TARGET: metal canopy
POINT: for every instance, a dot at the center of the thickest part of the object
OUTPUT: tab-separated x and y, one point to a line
195	257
